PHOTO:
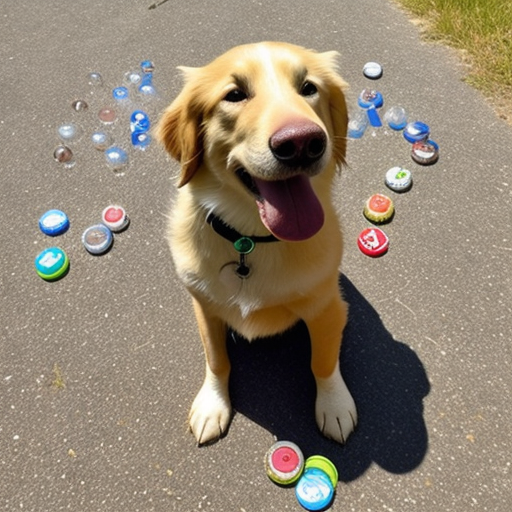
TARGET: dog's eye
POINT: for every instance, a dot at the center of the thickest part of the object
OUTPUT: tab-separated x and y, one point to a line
235	96
308	89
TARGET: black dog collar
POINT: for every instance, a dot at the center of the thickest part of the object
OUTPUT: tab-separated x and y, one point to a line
242	244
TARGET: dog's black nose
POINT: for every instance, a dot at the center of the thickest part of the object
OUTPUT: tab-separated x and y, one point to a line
298	144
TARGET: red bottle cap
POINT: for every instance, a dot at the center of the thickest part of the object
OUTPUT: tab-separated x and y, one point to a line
284	462
115	218
373	242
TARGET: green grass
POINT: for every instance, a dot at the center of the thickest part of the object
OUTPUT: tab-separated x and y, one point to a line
482	29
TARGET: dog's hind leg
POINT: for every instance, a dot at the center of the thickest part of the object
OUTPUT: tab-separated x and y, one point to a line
211	410
336	413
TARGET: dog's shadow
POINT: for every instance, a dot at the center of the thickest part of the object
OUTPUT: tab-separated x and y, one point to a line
271	383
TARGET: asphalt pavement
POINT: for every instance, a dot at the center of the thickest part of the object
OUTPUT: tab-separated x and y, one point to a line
98	369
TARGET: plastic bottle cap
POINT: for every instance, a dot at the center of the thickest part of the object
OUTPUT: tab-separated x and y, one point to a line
284	462
398	179
369	97
101	140
147	66
357	124
314	490
116	157
396	117
115	218
120	93
323	463
372	70
139	121
54	222
416	131
373	242
97	239
425	152
51	264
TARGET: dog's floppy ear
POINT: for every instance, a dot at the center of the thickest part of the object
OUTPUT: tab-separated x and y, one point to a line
337	105
179	129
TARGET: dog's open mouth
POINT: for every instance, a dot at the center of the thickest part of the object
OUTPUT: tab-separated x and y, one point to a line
288	208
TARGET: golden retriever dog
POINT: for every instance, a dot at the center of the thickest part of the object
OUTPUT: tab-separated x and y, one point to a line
259	133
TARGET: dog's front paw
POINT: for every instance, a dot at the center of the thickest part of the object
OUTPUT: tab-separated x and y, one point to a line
336	413
211	410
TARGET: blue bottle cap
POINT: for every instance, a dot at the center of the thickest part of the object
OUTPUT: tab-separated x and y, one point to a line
369	97
147	66
120	93
116	157
54	222
97	239
51	264
139	122
314	490
416	131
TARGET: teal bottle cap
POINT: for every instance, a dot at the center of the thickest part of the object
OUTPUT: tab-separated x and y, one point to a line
52	263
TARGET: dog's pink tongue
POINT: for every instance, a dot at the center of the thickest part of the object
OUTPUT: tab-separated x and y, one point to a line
289	209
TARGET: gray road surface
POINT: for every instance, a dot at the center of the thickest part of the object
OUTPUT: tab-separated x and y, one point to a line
98	370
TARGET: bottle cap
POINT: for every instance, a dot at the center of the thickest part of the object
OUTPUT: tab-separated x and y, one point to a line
425	152
369	97
416	131
323	463
120	93
373	242
147	66
396	117
284	462
115	218
399	179
101	140
54	222
314	490
97	239
107	115
79	105
116	157
372	70
64	155
68	132
139	122
357	124
52	263
379	209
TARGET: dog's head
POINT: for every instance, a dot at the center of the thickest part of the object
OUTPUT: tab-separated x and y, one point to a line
262	118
